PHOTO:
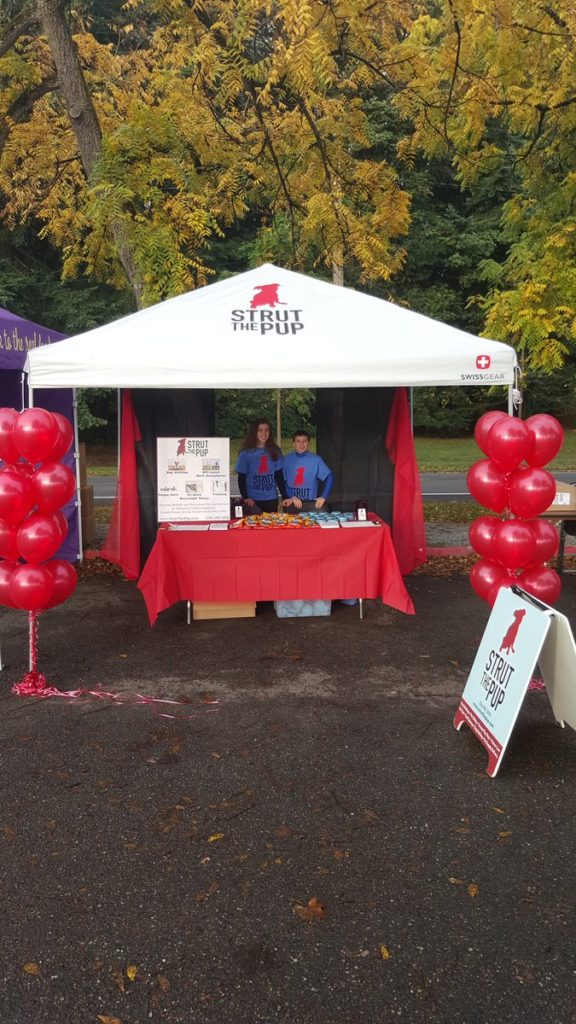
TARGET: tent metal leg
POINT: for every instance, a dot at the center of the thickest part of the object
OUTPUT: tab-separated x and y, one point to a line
361	606
1	662
188	615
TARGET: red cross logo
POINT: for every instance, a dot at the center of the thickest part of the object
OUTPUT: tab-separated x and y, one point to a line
482	362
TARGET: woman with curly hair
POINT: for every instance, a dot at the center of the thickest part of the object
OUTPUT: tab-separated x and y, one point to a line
259	469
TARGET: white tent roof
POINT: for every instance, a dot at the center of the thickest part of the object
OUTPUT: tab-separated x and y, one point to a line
272	328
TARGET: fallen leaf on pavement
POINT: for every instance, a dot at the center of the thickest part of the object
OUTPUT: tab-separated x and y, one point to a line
455	881
105	1018
473	890
118	979
384	953
214	838
32	968
313	911
131	972
162	982
498	810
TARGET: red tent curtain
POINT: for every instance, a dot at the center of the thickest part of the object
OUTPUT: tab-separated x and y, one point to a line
122	544
408	531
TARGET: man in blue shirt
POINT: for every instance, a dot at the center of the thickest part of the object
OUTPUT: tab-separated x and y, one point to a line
308	479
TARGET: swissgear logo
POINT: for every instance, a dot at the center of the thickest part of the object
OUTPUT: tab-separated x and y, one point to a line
263	317
483	362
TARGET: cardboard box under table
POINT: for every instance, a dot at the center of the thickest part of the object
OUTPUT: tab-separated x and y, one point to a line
562	511
244	565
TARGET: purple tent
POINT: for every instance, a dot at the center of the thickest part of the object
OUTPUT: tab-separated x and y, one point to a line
17	337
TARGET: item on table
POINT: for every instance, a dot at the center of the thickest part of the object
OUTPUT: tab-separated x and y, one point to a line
274	520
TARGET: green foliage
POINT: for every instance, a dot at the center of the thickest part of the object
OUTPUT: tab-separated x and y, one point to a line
235	409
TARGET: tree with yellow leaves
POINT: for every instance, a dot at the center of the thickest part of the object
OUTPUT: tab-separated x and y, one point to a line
496	85
230	108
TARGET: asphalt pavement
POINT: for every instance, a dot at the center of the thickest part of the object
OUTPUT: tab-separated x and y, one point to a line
318	847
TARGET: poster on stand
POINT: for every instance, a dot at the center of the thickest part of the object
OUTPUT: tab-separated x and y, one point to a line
193	479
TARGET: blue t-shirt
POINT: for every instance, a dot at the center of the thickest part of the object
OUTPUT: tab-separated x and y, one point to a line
302	474
259	467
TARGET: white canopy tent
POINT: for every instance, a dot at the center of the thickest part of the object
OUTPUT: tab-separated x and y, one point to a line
272	328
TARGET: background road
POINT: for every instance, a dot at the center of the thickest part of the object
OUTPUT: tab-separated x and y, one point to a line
435	486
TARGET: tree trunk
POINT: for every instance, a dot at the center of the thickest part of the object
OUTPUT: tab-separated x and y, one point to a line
82	114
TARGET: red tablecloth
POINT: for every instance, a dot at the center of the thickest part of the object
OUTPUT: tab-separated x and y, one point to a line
272	565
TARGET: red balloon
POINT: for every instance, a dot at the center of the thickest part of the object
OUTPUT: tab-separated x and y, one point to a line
35	434
16	496
481	534
484	426
6	570
62	523
500	585
514	544
8	450
24	469
547	540
488	485
531	492
484	575
508	442
54	484
8	546
542	582
547	436
39	537
31	587
65	580
64	439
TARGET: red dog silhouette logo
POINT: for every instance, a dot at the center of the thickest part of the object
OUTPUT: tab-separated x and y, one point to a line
299	478
266	295
512	632
181	450
263	465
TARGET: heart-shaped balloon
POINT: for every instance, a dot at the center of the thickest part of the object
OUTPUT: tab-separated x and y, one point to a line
16	495
38	537
54	484
35	434
31	587
8	450
65	580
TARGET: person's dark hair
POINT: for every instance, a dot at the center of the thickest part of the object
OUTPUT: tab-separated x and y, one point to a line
251	439
300	433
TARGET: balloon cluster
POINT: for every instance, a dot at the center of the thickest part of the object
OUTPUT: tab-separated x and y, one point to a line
34	485
513	549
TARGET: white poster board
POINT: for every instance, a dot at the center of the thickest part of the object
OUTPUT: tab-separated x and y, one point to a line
193	479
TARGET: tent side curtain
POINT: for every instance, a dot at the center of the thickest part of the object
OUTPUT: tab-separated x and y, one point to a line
408	531
122	543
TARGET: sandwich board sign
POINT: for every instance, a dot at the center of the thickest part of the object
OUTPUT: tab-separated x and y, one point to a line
521	633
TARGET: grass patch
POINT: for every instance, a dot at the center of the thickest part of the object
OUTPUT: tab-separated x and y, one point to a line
434	454
457	454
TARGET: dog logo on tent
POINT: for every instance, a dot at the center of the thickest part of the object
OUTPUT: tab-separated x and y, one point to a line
181	449
299	478
266	295
511	633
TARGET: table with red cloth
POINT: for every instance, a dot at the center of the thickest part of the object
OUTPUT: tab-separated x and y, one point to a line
270	564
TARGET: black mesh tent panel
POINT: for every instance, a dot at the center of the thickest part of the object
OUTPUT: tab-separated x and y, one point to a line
351	425
160	413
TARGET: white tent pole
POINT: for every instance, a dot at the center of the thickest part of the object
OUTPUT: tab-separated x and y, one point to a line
510	400
77	468
279	417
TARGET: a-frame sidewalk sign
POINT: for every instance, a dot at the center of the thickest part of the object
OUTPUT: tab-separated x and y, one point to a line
522	632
